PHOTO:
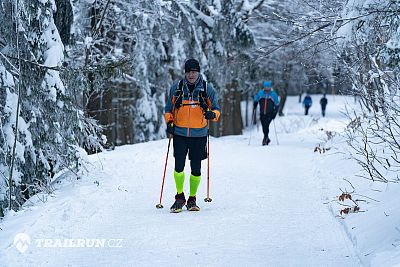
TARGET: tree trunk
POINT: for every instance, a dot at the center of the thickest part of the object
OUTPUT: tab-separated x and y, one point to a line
282	103
63	18
99	107
230	122
246	118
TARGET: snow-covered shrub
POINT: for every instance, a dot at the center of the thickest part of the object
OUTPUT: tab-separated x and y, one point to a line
372	61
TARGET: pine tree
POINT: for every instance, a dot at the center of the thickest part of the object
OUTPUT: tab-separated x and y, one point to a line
37	109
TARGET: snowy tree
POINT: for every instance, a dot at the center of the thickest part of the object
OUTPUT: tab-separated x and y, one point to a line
372	61
124	51
41	128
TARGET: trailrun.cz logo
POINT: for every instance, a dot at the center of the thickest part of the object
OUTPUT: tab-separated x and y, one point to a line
23	241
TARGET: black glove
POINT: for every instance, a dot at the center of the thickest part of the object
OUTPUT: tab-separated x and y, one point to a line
178	102
170	128
210	115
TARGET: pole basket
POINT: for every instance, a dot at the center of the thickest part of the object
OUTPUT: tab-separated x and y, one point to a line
207	199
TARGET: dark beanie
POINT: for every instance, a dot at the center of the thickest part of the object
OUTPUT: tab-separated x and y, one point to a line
192	65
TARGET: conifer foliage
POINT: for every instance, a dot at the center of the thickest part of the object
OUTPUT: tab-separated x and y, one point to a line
41	130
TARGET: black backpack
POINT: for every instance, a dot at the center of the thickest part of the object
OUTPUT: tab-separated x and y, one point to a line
202	95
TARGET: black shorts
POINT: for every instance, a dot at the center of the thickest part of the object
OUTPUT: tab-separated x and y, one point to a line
196	146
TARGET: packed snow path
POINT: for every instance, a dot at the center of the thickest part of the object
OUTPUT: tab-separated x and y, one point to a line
267	210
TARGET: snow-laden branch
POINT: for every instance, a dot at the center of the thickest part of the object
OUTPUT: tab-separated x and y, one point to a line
8	61
203	17
98	25
322	19
298	38
96	67
248	8
328	21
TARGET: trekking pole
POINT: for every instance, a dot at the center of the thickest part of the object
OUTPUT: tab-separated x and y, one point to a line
276	136
159	205
208	199
252	123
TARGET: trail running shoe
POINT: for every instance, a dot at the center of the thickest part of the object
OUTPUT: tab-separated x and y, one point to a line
191	204
179	203
266	141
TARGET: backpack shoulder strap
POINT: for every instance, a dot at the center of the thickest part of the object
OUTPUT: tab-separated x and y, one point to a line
203	92
204	100
179	90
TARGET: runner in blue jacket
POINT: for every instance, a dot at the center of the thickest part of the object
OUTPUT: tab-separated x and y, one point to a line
307	103
269	105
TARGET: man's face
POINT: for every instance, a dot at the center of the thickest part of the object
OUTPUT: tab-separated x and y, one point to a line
192	76
267	89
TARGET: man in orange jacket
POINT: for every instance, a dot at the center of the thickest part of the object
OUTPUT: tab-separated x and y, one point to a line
191	103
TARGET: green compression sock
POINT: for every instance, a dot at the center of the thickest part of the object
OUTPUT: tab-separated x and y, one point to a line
194	184
179	180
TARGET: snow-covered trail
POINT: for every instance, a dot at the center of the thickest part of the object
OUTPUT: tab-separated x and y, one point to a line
267	210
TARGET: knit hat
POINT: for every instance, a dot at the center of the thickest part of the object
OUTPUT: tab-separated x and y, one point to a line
192	65
267	84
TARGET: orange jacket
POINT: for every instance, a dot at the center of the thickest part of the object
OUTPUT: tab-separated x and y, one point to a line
189	118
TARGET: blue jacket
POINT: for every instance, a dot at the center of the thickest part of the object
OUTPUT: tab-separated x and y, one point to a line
307	101
189	119
269	102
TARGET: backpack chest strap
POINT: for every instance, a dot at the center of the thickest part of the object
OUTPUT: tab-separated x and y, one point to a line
200	93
